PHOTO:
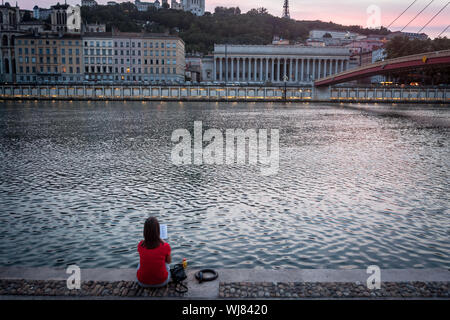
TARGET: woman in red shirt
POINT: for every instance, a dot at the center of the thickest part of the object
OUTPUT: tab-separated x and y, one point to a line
154	257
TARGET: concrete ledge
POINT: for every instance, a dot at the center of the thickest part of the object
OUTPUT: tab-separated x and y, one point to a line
44	273
266	100
239	275
210	289
244	277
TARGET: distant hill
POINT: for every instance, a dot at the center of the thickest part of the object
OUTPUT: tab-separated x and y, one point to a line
225	25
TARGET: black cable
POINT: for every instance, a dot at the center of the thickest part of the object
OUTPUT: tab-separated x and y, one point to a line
200	275
417	15
440	34
434	17
390	24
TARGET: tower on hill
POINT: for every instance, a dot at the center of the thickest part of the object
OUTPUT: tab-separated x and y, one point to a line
286	10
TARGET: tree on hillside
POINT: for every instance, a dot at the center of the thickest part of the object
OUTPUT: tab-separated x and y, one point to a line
225	25
224	11
402	46
258	11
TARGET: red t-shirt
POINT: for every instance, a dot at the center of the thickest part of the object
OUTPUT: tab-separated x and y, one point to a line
152	269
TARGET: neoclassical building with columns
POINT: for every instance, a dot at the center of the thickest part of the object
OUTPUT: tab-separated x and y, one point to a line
275	63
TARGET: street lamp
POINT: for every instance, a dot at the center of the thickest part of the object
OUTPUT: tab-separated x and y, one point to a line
285	79
226	63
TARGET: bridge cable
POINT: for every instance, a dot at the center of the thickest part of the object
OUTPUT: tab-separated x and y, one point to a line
401	14
406	44
417	15
440	34
434	17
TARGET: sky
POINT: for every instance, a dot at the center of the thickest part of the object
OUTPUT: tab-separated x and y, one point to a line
347	12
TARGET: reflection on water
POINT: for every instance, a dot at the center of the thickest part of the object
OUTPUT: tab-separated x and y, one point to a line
357	185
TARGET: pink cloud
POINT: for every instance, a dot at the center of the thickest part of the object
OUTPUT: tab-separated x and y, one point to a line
347	12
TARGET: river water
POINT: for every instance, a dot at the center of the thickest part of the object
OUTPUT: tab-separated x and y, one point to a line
357	185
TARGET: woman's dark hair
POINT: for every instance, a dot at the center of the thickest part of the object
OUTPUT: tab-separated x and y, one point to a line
152	239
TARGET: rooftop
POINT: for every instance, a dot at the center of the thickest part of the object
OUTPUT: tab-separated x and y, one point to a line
33	22
129	35
50	36
60	6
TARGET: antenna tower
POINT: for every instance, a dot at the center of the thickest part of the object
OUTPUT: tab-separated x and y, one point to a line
286	10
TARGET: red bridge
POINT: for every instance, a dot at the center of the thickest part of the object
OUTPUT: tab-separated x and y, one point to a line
438	58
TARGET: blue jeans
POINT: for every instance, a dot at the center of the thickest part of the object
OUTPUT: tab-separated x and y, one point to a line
155	285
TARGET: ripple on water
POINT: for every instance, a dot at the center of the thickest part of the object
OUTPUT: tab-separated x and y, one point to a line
356	186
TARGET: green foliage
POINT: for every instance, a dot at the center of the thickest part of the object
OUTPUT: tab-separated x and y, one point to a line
224	11
402	46
226	25
259	11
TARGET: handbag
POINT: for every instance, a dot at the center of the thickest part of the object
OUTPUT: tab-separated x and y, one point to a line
178	275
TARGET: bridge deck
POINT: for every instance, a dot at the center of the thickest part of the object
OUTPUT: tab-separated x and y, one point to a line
391	65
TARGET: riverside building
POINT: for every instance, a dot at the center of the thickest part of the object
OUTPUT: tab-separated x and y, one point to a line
133	57
147	57
275	64
49	58
100	57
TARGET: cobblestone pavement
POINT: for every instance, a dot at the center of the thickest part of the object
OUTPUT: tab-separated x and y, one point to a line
88	288
293	290
248	290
